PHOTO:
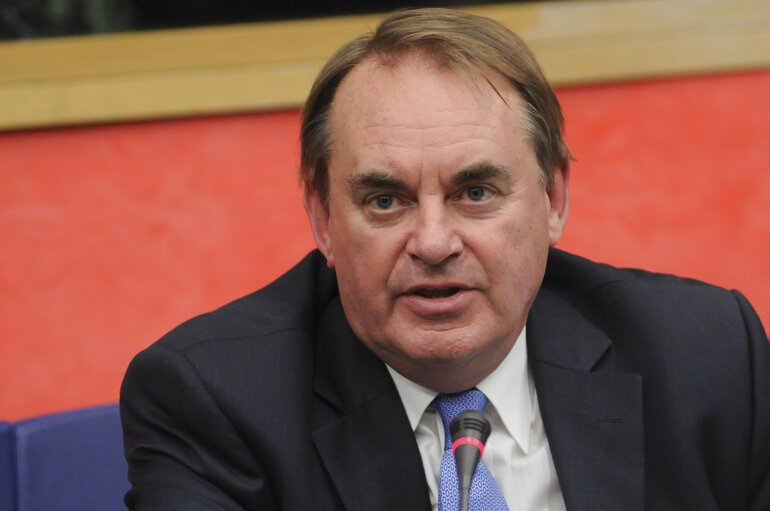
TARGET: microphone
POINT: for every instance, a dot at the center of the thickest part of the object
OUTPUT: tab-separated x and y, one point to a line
469	431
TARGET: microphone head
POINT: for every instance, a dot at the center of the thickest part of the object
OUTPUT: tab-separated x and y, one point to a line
470	424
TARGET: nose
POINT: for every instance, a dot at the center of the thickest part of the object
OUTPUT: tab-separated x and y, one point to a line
435	237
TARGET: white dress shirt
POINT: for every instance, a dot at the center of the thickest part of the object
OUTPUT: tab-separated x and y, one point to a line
517	453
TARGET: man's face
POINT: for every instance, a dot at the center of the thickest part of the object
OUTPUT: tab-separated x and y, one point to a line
437	223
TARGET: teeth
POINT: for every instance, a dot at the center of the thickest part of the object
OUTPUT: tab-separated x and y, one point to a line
437	293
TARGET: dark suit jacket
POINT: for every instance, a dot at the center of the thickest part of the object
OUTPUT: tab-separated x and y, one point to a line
654	391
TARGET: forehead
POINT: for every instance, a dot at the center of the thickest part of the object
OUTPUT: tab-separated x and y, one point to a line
416	100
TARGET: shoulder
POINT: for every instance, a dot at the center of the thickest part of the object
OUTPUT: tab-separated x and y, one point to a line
656	312
289	304
568	272
585	282
657	323
238	358
252	342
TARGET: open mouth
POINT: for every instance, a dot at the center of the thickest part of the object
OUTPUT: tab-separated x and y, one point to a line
437	292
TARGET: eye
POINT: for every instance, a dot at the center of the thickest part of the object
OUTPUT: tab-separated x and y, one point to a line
476	193
383	201
476	198
385	207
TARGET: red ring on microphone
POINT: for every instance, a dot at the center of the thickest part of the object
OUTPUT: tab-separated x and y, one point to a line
468	440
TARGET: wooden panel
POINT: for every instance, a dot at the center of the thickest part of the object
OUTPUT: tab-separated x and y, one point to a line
266	66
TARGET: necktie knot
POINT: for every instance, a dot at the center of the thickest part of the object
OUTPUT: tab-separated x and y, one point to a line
449	406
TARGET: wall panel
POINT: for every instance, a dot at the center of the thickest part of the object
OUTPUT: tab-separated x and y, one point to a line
113	234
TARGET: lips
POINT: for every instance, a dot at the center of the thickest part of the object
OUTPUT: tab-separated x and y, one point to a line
439	292
443	289
434	301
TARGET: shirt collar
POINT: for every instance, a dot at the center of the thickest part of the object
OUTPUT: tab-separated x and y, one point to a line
509	389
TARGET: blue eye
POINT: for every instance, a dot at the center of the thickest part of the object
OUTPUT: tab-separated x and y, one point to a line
384	201
476	193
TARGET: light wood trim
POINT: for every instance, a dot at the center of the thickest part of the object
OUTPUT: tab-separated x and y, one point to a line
261	66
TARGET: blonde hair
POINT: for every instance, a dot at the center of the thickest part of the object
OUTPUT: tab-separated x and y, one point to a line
459	41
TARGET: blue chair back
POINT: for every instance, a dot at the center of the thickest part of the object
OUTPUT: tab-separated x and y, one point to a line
7	469
71	461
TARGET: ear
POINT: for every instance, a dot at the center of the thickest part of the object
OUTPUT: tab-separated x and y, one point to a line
318	213
558	198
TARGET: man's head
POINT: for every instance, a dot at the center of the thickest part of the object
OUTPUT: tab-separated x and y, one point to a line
428	194
458	41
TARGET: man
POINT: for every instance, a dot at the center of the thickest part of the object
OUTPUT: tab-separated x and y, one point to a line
436	181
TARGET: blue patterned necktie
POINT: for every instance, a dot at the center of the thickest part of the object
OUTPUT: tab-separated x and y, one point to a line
485	494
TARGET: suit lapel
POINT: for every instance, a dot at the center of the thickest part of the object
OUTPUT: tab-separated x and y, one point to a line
592	416
362	433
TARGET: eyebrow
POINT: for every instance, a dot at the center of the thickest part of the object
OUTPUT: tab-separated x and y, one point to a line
380	180
375	180
480	172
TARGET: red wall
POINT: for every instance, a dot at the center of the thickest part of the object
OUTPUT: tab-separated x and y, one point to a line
111	235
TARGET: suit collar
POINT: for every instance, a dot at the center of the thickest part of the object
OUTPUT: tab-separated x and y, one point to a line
362	433
593	416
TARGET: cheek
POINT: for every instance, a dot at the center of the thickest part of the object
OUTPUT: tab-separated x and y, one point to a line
345	240
517	259
531	223
364	260
362	276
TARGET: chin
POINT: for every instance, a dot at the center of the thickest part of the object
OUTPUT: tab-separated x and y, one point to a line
443	354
